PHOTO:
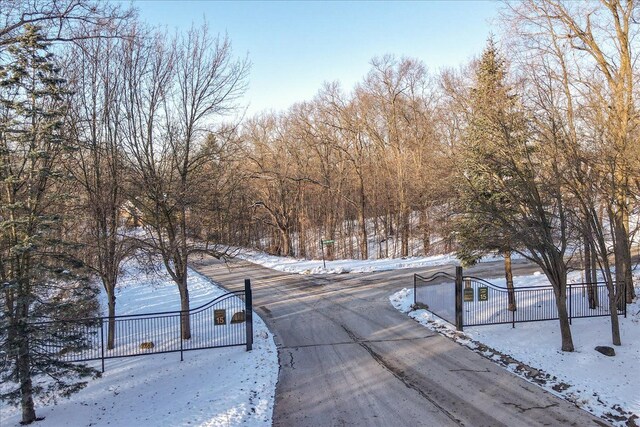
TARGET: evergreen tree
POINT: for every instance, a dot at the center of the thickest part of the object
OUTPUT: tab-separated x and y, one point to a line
494	123
37	270
509	191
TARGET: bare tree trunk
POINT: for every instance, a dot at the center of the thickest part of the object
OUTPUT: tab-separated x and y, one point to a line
302	223
404	226
622	258
606	270
556	272
615	323
508	273
185	320
26	385
563	317
594	273
591	286
613	306
23	358
364	244
287	246
426	233
111	330
387	233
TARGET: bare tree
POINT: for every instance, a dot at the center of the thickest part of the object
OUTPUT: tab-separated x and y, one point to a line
59	20
395	92
175	91
272	172
94	66
591	43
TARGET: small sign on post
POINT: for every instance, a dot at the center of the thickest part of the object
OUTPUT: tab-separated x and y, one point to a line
324	242
219	317
483	294
468	294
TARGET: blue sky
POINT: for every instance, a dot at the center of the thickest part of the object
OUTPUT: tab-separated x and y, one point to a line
296	46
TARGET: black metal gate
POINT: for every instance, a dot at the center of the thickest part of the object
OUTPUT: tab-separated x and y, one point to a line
436	294
223	322
471	301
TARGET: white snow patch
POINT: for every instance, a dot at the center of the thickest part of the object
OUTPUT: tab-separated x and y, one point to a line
598	384
305	266
214	387
317	266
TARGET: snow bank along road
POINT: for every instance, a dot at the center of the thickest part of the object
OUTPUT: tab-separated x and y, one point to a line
347	357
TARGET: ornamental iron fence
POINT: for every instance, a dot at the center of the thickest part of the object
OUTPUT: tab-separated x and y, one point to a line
471	301
225	321
436	294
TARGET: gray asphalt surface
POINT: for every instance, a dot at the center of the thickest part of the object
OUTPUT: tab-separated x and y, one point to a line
348	358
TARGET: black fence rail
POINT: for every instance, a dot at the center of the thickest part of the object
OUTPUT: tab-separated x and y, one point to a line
223	322
485	303
471	301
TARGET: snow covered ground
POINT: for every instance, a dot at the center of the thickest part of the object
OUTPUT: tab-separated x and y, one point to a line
214	387
605	386
305	266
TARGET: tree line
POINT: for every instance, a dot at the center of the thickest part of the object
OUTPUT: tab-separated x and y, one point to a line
531	149
118	140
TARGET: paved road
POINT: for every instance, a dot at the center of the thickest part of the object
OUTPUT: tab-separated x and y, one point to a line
348	358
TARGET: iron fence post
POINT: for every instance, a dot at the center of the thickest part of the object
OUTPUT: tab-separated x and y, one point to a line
570	304
180	335
415	300
624	297
248	301
102	343
459	325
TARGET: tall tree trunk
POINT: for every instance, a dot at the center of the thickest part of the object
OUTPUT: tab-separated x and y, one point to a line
302	223
624	282
111	330
594	273
613	308
302	237
185	321
287	246
615	323
508	274
591	285
388	232
364	244
404	217
557	275
426	232
608	277
26	386
563	317
23	359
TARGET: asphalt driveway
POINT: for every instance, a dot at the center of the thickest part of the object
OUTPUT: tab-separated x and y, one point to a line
348	358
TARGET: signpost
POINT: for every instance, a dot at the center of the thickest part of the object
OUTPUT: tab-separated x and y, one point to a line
322	243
